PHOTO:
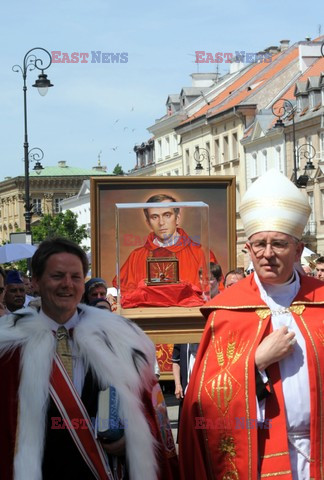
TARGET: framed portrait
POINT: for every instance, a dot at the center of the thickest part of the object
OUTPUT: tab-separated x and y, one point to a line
122	226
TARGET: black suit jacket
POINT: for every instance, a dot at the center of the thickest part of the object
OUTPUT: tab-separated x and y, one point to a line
62	459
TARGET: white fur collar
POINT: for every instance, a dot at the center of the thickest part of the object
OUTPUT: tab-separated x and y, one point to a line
114	349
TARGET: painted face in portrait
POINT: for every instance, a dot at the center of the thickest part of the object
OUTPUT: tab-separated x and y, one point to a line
163	222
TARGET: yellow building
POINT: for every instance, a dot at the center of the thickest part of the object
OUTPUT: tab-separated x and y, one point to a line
47	188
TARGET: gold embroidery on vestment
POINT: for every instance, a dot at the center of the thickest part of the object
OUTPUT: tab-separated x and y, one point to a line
320	334
279	454
227	446
319	376
223	387
263	313
247	407
297	309
275	474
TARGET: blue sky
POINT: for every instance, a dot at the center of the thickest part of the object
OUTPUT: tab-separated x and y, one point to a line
78	117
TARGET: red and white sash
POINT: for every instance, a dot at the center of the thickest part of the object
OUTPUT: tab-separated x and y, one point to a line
77	421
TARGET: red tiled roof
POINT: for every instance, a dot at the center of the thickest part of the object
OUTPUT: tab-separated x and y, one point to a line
313	71
234	93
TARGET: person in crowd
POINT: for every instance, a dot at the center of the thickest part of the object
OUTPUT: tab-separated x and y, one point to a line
29	294
101	303
215	280
319	268
97	288
216	277
308	270
54	362
183	359
254	405
15	294
3	310
233	276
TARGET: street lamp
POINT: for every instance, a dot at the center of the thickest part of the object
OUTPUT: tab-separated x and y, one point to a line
200	155
30	62
287	108
308	153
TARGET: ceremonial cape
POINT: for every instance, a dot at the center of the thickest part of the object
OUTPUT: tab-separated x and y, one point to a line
116	351
219	437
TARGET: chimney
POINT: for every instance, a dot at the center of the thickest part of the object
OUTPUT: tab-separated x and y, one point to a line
62	163
99	168
284	45
272	49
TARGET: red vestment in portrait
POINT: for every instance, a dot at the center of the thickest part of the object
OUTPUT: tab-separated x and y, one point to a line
133	273
219	436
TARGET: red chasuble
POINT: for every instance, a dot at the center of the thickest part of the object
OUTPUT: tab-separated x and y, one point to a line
219	437
188	293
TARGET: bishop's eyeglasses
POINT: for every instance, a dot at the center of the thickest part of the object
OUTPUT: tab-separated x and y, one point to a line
277	246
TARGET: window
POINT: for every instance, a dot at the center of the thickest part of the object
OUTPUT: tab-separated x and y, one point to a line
159	149
321	146
322	198
234	146
217	160
311	204
37	205
254	165
264	163
175	144
278	163
187	162
167	146
225	148
57	205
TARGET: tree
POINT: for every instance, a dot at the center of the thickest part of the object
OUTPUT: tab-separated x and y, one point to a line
60	225
118	170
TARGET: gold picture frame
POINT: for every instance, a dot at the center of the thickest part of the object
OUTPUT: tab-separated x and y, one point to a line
162	324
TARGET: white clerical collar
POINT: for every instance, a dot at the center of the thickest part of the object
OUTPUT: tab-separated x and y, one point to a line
280	295
169	242
71	323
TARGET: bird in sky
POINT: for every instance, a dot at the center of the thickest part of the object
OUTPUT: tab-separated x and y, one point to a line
114	148
125	128
116	121
132	109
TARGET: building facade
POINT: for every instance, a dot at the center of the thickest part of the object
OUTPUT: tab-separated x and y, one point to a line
48	187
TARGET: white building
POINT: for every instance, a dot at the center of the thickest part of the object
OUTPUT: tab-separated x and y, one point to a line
80	205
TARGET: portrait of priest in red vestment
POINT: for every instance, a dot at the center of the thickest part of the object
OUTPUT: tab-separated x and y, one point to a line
170	256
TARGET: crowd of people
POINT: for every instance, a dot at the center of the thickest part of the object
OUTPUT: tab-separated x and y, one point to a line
81	397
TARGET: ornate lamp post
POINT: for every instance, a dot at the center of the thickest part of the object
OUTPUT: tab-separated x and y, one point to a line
200	155
287	108
30	62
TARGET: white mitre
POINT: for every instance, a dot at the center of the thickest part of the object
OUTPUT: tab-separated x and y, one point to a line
274	204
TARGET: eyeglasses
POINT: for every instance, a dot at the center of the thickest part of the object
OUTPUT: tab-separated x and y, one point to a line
277	246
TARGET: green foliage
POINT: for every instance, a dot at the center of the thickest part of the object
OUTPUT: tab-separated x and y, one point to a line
60	225
118	170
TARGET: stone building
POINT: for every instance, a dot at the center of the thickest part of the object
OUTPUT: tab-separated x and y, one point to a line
48	187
